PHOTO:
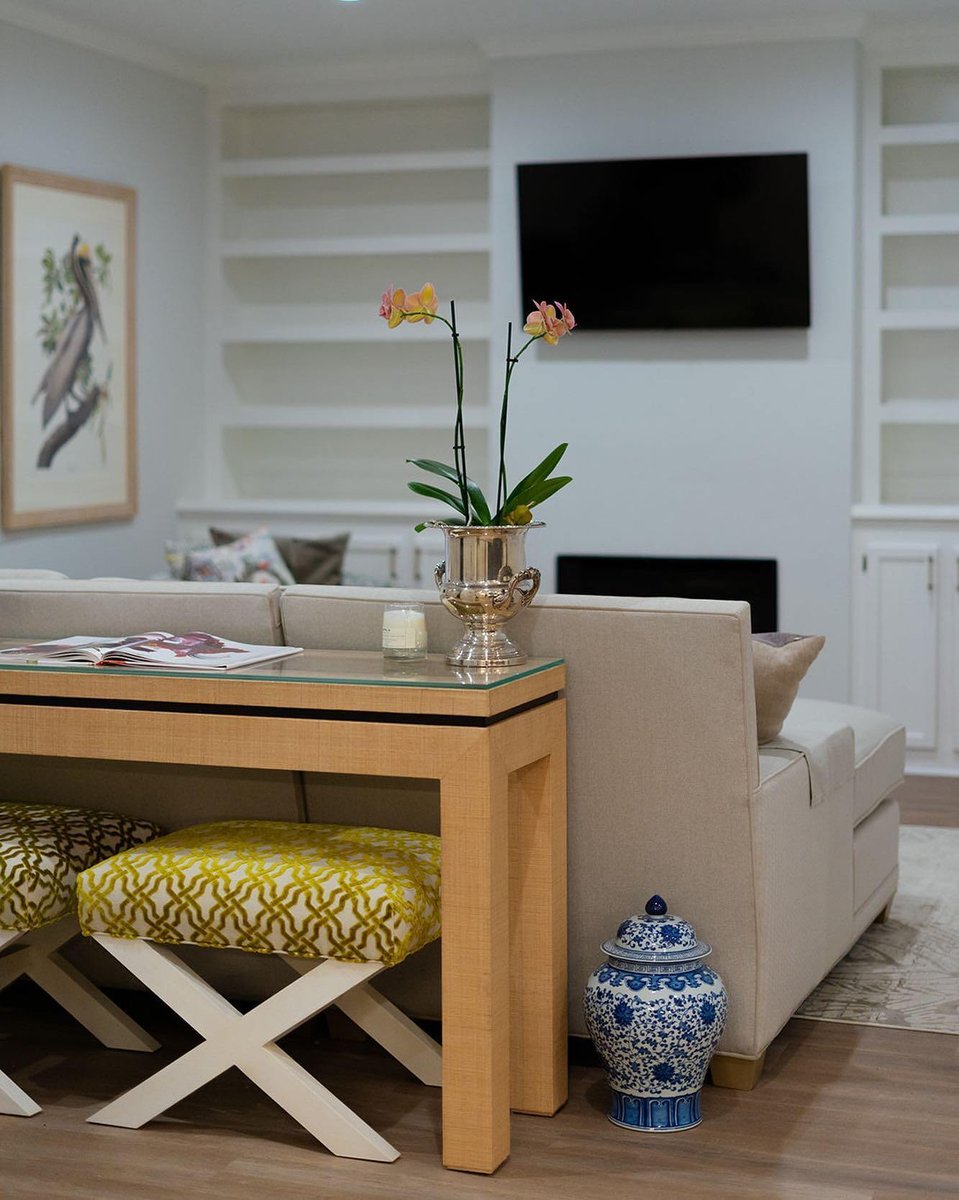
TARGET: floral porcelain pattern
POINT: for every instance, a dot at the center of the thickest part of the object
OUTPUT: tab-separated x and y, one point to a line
656	1025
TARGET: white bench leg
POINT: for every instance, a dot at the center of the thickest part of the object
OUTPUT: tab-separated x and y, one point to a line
388	1026
14	1101
247	1041
83	1000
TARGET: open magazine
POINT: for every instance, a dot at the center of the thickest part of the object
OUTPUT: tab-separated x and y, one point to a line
193	651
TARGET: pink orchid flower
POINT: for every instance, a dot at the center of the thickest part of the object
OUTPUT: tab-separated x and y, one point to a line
392	306
421	305
566	317
542	322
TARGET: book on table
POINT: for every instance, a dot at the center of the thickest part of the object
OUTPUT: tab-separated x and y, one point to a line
190	651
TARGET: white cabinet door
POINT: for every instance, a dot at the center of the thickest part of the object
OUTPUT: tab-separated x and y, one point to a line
899	614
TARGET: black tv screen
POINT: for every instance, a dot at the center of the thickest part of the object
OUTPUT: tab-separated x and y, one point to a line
669	243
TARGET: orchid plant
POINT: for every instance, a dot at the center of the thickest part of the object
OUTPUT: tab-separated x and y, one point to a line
547	322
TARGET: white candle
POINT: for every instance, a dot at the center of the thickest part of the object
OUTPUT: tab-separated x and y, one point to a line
404	632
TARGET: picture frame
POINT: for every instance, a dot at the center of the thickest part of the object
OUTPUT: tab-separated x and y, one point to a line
68	346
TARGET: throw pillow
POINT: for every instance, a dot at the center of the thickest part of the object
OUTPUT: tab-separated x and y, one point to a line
780	660
176	551
310	560
253	558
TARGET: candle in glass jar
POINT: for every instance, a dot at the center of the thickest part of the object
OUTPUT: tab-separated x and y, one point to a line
404	631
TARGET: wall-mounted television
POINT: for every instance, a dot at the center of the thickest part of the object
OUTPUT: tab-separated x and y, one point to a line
669	243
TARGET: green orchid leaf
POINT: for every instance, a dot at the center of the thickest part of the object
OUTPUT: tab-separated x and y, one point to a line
477	499
547	488
435	493
537	475
435	468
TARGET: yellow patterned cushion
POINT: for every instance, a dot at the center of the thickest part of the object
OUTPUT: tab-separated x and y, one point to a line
43	846
272	887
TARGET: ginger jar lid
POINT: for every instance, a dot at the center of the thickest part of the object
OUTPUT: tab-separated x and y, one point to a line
656	937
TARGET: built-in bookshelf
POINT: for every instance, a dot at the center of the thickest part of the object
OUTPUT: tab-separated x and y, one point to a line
313	405
906	526
910	375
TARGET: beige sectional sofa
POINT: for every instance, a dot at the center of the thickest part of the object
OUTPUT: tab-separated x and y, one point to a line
780	855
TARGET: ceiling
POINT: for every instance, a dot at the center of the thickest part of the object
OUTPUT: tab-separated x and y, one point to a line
247	32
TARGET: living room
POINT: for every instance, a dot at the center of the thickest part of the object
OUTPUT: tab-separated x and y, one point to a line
275	167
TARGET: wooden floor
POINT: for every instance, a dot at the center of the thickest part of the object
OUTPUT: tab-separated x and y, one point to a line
842	1112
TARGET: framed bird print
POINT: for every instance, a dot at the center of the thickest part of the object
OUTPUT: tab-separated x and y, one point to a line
68	417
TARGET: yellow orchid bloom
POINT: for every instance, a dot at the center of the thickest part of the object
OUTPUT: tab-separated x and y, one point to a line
397	314
421	305
521	515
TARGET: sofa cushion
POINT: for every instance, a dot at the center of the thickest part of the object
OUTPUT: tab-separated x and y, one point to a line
34	608
826	749
880	747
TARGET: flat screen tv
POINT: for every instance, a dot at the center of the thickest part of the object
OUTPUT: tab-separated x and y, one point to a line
669	243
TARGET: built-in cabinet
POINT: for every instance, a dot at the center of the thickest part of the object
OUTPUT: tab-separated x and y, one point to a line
906	633
906	523
313	404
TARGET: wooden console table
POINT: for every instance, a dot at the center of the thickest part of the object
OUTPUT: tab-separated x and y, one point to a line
495	741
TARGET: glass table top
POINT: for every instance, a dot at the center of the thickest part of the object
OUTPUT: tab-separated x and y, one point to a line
325	666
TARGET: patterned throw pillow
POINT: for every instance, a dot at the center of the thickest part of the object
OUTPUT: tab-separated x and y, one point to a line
311	560
253	558
176	552
42	849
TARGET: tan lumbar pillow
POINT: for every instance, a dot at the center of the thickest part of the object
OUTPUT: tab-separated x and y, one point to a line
780	660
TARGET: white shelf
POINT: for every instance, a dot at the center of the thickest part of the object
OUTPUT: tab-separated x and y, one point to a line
385	509
335	247
921	224
920	412
356	164
350	416
923	513
920	319
918	135
377	331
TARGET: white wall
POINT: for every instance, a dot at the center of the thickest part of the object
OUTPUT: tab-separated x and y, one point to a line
726	444
70	110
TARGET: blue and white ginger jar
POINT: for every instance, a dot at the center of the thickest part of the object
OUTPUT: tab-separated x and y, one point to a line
655	1014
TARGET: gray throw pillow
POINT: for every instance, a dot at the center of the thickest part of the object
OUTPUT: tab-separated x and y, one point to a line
780	660
311	560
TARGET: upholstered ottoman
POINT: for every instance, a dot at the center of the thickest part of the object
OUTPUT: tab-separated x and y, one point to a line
360	900
42	850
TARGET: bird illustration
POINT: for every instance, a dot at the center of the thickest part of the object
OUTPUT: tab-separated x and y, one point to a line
59	379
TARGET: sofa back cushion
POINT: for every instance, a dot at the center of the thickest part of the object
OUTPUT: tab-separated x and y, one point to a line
248	612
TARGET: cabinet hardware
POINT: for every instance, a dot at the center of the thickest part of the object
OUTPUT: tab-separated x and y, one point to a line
394	574
865	563
930	573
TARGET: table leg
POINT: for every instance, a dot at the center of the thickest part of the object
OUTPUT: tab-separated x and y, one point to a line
474	826
538	959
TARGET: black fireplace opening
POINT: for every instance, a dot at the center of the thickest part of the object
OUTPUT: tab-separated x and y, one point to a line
755	580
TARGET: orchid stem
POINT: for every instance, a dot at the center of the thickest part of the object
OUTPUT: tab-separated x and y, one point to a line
459	439
501	487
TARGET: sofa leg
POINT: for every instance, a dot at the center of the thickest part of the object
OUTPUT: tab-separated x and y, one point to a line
885	914
742	1074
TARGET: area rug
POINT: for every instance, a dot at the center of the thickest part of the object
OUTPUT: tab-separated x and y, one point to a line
905	973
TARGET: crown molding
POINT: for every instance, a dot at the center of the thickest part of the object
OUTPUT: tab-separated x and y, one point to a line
100	39
726	33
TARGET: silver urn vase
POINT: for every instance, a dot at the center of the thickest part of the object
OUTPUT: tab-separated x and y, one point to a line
484	581
655	1014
